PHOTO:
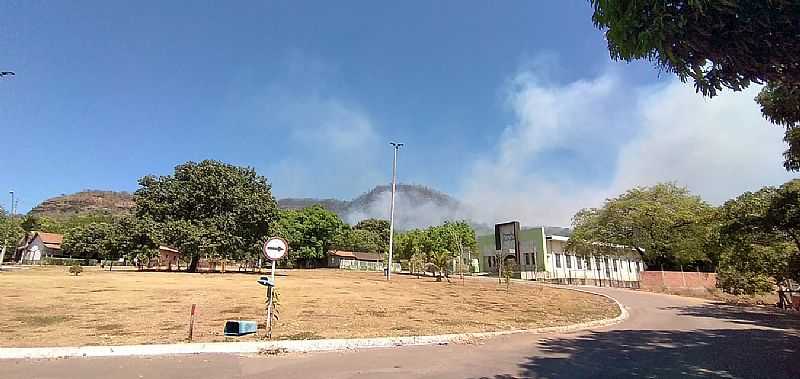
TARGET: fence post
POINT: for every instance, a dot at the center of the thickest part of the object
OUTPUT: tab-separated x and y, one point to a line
683	277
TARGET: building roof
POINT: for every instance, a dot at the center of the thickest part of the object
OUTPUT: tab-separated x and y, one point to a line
49	240
357	255
167	248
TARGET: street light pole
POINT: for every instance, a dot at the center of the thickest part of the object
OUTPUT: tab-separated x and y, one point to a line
391	208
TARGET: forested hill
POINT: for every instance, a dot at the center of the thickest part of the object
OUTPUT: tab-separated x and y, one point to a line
89	201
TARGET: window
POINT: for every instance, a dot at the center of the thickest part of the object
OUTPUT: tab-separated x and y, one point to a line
615	264
558	260
568	258
589	263
527	259
630	266
580	263
638	268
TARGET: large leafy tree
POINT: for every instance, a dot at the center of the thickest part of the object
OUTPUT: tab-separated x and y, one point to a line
310	231
380	228
87	241
131	237
665	223
752	253
716	44
351	239
209	208
760	236
10	232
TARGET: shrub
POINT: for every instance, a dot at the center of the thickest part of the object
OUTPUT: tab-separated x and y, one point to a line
75	269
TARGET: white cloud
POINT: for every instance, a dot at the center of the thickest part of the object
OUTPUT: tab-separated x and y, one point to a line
326	133
717	147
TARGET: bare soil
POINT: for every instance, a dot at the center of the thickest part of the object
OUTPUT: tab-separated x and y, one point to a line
49	307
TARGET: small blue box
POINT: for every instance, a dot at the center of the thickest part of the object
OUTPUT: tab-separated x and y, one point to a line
239	328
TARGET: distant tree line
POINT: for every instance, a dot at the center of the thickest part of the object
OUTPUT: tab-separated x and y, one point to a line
209	210
438	249
752	241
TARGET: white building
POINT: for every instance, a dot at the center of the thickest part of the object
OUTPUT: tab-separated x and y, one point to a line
539	254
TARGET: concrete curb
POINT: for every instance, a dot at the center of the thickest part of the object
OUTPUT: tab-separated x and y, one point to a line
280	346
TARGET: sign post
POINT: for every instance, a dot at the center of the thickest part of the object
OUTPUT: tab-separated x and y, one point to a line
275	248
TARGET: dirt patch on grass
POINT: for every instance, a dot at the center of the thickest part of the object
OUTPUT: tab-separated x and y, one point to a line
127	307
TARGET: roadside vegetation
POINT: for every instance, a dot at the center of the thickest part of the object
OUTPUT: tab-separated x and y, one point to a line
751	241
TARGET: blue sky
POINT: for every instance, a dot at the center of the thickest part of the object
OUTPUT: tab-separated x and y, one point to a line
499	102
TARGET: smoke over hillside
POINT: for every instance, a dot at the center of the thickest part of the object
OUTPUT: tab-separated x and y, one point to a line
415	206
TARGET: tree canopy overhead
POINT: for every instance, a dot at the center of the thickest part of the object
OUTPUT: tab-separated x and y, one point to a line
211	208
716	44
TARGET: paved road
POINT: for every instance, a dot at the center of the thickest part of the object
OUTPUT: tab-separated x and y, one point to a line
665	336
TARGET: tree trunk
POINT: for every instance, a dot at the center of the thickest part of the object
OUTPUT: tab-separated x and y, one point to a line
193	264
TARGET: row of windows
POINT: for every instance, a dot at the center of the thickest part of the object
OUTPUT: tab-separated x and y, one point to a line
596	263
530	258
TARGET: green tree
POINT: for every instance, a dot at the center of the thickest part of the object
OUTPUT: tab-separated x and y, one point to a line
10	233
759	235
310	232
87	241
380	228
357	240
131	237
222	210
410	243
716	44
665	223
440	260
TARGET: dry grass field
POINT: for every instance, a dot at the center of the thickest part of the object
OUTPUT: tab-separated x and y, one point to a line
48	307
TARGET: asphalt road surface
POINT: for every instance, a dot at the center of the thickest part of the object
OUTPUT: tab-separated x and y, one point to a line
665	337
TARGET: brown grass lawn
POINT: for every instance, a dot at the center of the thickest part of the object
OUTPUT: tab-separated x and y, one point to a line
49	307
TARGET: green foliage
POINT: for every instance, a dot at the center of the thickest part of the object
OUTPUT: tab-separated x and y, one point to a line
780	104
87	241
759	238
75	269
508	272
10	232
311	231
716	44
436	246
130	237
378	227
213	209
666	224
63	225
439	260
358	240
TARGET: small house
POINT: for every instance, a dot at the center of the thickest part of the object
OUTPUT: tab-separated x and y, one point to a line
355	260
168	256
37	245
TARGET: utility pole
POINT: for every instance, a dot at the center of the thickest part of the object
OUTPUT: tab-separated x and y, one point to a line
12	204
391	208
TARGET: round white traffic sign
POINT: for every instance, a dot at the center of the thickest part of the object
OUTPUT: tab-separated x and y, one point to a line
275	248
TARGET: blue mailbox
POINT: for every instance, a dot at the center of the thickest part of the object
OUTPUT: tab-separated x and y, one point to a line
238	328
